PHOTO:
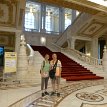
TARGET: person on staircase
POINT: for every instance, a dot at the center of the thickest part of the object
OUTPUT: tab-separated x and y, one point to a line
56	79
45	67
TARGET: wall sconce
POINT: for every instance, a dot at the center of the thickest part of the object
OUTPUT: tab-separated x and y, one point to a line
43	40
88	54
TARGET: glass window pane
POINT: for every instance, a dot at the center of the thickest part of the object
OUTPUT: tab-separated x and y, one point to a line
29	20
32	16
52	19
68	17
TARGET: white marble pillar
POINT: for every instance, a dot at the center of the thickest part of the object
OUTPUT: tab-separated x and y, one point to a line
94	47
88	48
22	67
71	43
104	59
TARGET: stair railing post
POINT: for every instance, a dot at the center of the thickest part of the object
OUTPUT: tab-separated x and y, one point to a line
104	64
22	67
104	60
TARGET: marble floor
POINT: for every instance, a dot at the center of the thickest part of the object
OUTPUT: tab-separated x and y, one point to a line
86	97
77	94
86	93
11	95
73	94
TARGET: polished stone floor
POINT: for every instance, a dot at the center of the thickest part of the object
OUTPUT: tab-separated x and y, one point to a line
73	94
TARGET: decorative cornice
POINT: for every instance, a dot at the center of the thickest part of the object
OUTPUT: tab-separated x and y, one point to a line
11	6
81	5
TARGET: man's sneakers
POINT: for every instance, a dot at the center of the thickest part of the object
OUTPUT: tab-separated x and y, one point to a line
58	94
45	93
52	93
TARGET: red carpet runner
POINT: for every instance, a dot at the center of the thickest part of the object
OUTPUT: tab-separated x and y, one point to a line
71	70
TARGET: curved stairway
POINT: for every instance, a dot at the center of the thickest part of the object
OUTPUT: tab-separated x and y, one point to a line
71	70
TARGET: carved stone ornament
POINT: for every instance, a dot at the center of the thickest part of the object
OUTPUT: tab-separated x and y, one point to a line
8	12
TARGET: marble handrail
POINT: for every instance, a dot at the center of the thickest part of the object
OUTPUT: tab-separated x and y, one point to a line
83	57
79	55
31	50
31	54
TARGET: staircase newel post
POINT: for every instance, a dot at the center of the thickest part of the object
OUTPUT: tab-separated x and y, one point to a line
104	64
22	67
104	59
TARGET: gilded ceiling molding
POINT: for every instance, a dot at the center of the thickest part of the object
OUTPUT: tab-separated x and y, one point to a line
92	29
11	6
80	5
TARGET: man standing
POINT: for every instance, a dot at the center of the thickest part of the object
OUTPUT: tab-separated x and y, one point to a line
56	79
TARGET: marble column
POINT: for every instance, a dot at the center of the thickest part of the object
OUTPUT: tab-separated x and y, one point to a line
94	47
71	43
88	48
22	67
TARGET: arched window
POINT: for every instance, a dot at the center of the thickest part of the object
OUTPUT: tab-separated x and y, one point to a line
29	20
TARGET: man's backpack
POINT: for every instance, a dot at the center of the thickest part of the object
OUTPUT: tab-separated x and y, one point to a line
53	71
43	66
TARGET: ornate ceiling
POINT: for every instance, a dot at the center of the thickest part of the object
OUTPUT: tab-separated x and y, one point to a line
80	5
8	10
91	29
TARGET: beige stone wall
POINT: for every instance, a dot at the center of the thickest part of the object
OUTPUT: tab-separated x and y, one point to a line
11	13
7	39
11	21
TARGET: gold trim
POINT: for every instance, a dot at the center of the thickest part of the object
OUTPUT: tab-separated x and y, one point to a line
80	5
82	30
10	5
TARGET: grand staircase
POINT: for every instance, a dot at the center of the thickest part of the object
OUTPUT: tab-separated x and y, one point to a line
71	70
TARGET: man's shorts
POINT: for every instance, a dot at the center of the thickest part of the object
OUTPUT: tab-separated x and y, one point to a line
56	80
